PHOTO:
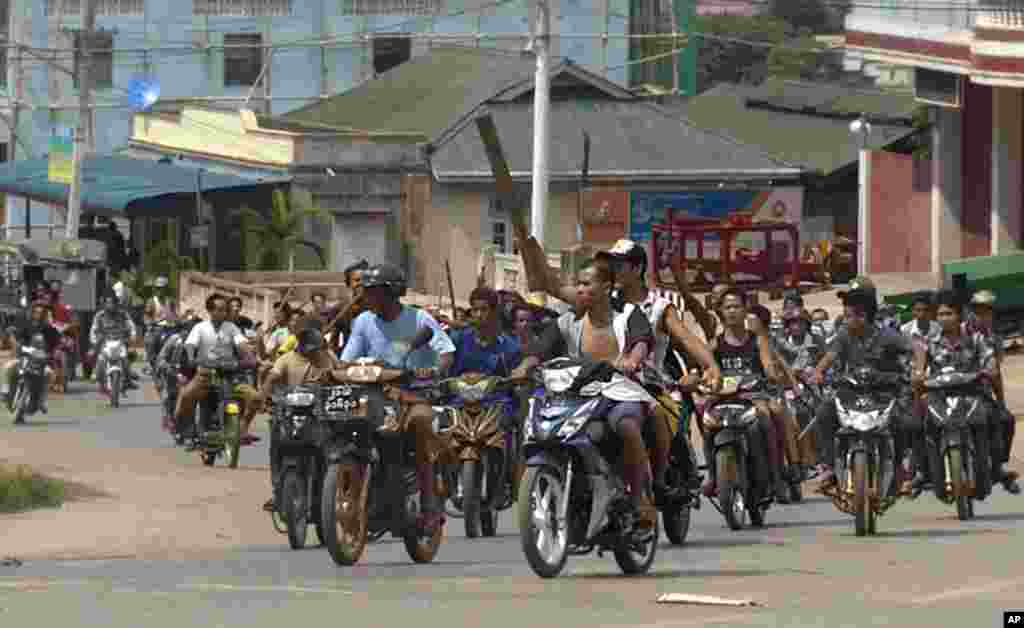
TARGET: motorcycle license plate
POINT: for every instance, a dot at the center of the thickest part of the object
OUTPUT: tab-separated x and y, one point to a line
341	400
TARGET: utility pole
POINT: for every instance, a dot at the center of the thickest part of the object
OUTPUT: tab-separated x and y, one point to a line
83	138
541	114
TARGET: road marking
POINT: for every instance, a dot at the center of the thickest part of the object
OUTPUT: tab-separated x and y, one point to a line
955	594
256	588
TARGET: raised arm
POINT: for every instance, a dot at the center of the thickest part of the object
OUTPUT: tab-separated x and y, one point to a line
693	305
535	262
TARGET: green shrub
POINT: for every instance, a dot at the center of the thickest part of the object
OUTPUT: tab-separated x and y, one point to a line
22	489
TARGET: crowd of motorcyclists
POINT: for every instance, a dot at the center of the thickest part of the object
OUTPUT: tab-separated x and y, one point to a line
613	319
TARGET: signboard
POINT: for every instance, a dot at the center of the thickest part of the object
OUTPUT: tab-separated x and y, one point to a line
784	204
61	154
199	236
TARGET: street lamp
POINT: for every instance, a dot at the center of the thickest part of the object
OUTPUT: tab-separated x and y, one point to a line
861	129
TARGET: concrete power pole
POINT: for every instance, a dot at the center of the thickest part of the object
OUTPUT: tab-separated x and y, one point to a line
541	114
83	140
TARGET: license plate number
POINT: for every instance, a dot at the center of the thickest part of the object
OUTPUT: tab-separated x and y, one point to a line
341	399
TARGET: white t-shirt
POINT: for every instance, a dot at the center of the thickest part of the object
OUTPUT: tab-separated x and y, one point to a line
205	338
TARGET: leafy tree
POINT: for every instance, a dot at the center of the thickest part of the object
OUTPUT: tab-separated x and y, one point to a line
275	239
725	56
812	15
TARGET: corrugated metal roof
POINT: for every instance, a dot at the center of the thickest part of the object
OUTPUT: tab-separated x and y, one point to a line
635	140
118	185
818	139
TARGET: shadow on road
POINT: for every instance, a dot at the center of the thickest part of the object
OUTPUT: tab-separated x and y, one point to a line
721	543
928	534
688	573
1001	516
808	524
30	423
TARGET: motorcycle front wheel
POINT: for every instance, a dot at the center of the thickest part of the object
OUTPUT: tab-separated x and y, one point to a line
545	542
864	514
676	520
343	512
115	389
296	510
956	478
637	560
20	403
730	493
470	476
232	439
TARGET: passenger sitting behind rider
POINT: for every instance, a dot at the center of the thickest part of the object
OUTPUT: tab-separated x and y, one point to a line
386	333
859	342
310	362
37	324
623	339
965	350
744	348
201	341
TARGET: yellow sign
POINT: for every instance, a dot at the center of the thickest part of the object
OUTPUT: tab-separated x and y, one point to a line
61	150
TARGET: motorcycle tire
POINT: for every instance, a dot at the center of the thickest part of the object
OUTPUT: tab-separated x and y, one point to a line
295	508
634	563
676	521
470	475
209	458
796	493
489	523
730	494
340	488
551	565
862	506
956	478
421	548
115	390
20	403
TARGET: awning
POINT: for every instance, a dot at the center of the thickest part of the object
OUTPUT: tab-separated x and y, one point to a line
122	186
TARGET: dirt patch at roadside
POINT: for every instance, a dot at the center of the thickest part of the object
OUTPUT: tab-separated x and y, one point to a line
144	503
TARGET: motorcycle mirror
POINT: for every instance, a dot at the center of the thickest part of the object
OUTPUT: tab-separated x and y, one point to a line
424	336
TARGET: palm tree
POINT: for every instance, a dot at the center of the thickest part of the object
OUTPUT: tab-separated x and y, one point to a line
276	238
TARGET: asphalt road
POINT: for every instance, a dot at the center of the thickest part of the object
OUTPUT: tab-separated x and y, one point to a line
805	568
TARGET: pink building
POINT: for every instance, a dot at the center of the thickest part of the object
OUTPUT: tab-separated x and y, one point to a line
727	7
968	63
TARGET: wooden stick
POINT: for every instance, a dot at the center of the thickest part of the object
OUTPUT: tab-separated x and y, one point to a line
451	290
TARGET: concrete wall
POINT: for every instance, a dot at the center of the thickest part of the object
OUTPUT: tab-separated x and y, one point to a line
900	205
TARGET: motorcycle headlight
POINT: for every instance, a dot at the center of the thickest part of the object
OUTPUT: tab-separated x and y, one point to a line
232	408
572	425
864	420
300	399
364	374
473	393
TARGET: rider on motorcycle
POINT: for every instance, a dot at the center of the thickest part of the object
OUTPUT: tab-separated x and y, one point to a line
113	322
860	342
981	318
480	347
202	340
37	324
310	362
923	328
600	334
385	333
967	350
629	265
744	348
171	358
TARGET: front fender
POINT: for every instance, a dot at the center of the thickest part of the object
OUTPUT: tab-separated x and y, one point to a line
547	458
728	437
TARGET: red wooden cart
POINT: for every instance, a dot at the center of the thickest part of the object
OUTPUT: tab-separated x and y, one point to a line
710	247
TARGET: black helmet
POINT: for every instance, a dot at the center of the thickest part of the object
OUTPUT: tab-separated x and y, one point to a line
384	275
309	340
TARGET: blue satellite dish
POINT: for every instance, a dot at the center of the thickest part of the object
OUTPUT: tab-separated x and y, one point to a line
143	92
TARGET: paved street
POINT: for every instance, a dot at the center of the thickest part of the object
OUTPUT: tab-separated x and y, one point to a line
805	568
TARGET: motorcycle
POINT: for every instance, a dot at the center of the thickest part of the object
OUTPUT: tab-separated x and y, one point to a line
958	449
369	485
739	458
483	444
113	365
219	430
31	378
571	499
296	424
865	464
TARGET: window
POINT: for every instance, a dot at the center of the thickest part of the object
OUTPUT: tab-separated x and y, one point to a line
101	57
5	24
103	7
391	7
389	52
242	65
3	152
242	8
499	236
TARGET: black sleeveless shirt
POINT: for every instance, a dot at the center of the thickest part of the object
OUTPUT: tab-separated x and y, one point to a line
742	360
